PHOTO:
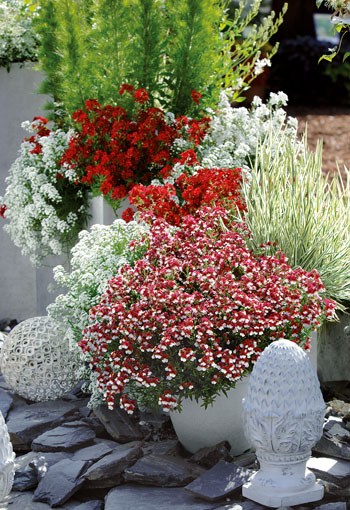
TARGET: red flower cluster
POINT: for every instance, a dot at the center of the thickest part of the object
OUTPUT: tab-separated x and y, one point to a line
116	151
194	313
196	96
216	186
39	125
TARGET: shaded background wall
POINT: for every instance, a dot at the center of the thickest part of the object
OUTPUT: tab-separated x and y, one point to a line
23	289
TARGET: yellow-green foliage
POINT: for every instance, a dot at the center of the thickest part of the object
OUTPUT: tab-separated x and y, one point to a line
169	47
291	203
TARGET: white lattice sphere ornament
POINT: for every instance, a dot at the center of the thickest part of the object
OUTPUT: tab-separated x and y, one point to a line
7	458
283	414
37	362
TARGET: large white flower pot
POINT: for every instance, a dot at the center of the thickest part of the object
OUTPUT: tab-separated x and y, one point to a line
334	350
197	427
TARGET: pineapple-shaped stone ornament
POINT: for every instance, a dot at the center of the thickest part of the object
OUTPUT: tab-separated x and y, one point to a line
283	414
7	457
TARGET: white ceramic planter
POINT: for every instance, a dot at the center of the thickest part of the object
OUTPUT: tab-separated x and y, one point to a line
197	427
334	350
102	213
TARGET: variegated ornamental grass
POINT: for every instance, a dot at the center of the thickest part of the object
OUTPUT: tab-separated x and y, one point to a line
290	203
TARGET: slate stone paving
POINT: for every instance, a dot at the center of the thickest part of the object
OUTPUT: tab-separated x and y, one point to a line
72	458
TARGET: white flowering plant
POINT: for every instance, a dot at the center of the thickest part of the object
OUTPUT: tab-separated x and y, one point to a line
18	40
95	259
234	134
44	203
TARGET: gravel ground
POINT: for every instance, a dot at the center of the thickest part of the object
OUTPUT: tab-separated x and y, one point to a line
332	125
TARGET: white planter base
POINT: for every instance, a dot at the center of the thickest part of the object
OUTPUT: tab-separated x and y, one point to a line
197	427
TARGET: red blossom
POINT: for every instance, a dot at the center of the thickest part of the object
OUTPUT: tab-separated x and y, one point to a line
196	96
119	151
128	215
141	96
125	88
2	210
216	186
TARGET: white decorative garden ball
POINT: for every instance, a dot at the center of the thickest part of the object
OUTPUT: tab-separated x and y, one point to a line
37	362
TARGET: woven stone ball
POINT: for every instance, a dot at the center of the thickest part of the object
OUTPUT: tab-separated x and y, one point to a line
37	362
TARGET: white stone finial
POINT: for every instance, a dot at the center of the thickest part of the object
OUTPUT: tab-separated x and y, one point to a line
37	362
7	457
283	414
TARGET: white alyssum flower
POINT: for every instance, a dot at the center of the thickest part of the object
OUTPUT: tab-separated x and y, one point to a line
95	259
40	221
18	41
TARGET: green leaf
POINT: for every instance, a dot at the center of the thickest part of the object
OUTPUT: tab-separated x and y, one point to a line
319	3
329	58
346	55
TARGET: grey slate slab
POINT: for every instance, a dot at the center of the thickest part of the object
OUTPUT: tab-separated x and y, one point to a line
334	490
332	446
118	424
66	438
93	453
165	447
337	429
6	401
341	505
27	422
208	457
107	471
25	476
61	481
243	505
220	481
161	471
43	460
24	501
332	470
131	497
90	505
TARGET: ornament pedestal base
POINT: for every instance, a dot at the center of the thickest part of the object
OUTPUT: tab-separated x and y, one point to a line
267	498
283	484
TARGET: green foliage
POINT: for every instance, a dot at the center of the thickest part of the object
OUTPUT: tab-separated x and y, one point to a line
291	203
169	47
47	26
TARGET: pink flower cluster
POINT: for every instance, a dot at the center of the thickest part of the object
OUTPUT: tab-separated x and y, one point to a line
192	316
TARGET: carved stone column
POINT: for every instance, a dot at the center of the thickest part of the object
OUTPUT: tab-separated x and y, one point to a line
283	414
7	457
